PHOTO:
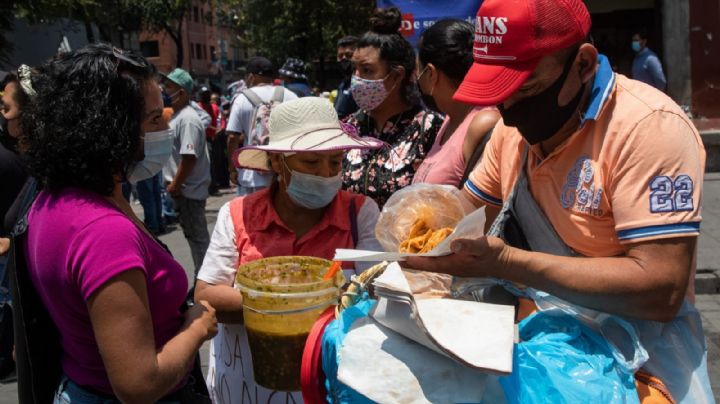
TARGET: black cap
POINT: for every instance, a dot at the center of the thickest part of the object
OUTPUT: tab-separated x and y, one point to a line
260	66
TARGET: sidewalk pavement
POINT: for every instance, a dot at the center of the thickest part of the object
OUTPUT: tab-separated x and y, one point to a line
708	263
708	272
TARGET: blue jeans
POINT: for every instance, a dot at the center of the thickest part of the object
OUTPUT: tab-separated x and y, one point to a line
168	205
69	392
149	195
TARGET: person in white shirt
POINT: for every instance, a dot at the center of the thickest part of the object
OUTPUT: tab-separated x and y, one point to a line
259	80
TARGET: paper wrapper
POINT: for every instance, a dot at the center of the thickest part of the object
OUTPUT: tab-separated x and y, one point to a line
478	335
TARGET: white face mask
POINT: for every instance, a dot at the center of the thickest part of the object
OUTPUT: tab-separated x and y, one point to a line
312	191
158	148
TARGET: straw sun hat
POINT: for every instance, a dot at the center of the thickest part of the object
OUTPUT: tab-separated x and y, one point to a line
306	124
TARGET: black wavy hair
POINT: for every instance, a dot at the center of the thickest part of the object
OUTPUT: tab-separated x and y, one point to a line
448	45
394	50
84	126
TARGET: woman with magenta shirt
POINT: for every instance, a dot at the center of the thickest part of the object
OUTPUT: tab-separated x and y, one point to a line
444	57
112	290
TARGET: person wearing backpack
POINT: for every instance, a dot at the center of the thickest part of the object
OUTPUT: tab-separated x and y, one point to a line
247	124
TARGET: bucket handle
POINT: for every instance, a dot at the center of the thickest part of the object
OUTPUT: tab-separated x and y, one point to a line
294	311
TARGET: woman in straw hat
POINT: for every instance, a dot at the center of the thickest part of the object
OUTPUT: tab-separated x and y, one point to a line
304	212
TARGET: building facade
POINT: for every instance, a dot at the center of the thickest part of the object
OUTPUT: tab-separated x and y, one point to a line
211	52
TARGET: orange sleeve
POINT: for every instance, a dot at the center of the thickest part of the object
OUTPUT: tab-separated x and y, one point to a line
656	181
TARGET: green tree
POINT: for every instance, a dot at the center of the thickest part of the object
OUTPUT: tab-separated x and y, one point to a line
307	29
111	18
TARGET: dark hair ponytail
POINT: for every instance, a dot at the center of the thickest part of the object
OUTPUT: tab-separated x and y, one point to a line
385	21
395	50
448	46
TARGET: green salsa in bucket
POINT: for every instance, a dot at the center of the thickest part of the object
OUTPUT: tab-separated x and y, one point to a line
282	299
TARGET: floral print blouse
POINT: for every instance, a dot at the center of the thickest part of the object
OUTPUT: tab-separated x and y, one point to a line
381	172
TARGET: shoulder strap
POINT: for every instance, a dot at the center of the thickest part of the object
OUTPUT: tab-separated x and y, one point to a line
475	157
278	94
252	97
25	199
37	341
354	222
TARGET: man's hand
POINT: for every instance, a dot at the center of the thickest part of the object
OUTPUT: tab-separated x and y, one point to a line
233	176
173	189
486	256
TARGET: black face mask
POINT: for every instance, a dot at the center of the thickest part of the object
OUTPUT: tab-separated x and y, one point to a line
167	101
10	142
428	100
346	67
539	117
3	126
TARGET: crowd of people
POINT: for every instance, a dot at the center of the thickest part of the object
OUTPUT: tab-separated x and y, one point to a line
590	181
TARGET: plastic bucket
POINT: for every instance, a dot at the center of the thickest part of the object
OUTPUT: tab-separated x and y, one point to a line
282	299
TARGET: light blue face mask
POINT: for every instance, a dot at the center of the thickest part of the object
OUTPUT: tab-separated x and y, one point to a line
635	46
157	150
312	191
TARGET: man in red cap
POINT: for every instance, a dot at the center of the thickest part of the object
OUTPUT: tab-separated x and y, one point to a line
591	182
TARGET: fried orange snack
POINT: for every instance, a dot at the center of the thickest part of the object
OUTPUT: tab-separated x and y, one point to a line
415	244
436	238
423	239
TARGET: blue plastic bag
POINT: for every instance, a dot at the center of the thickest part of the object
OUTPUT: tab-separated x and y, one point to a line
332	340
560	360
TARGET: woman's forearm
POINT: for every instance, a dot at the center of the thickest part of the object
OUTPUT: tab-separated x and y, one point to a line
226	300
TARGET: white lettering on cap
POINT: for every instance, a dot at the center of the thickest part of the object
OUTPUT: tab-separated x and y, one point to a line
489	30
491	25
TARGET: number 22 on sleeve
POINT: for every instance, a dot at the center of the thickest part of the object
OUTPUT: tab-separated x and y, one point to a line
668	195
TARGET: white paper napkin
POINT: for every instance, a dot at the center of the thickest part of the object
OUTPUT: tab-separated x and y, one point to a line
389	368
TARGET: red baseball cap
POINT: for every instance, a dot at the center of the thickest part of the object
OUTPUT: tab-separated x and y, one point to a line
511	36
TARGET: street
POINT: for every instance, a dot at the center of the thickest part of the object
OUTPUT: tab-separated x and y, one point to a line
708	260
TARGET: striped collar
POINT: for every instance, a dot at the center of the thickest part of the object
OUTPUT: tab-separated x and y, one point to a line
602	89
